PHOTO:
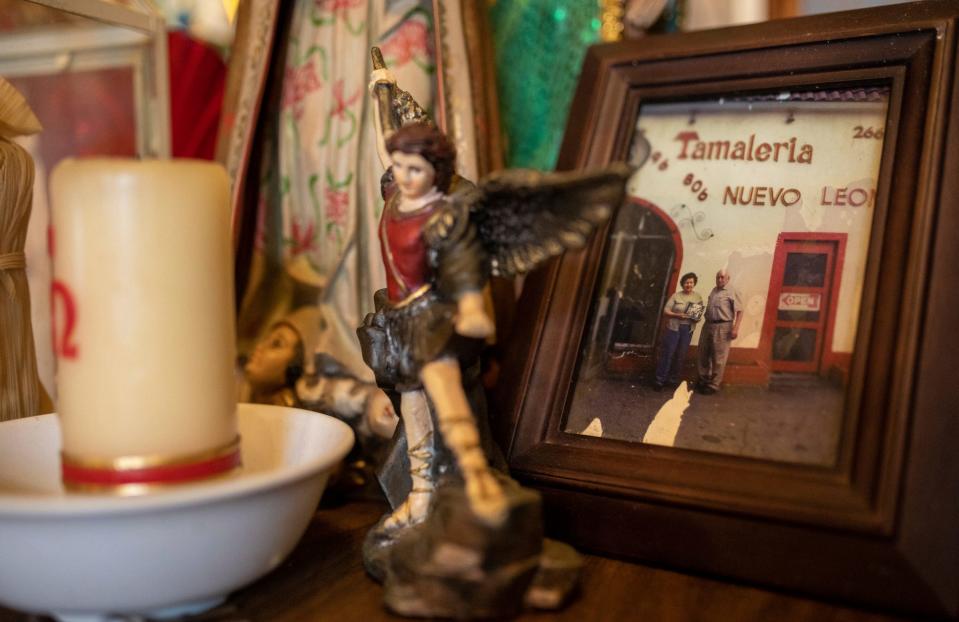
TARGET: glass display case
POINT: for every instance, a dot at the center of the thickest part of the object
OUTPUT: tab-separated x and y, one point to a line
95	74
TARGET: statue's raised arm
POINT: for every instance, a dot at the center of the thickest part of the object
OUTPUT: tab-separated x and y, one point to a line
394	106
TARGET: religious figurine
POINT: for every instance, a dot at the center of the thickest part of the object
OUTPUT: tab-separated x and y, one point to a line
441	238
289	367
19	384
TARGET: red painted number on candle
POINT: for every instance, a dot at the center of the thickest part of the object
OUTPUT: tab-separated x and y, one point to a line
63	343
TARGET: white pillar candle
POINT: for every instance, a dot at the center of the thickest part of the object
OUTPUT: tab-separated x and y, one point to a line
143	310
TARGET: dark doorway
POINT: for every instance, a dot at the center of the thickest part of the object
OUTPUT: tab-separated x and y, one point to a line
643	253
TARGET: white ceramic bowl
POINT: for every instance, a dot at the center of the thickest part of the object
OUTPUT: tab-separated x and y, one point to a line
164	554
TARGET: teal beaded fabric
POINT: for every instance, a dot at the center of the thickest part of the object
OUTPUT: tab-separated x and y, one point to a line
539	47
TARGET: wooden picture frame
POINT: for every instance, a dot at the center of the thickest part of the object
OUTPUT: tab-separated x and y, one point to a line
876	528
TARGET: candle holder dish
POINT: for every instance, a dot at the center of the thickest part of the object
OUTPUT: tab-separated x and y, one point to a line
175	551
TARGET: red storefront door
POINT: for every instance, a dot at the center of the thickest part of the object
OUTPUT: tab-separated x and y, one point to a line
802	292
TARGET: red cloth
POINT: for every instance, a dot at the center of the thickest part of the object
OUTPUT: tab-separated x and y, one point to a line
197	80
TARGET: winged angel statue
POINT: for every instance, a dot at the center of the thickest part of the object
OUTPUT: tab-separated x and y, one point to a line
441	238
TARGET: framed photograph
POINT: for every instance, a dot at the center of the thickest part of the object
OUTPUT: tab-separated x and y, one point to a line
747	372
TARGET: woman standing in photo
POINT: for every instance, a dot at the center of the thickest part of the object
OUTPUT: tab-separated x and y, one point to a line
683	310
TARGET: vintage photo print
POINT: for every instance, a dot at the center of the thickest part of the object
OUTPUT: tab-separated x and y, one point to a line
726	311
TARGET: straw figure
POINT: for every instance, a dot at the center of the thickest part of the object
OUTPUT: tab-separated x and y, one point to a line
19	384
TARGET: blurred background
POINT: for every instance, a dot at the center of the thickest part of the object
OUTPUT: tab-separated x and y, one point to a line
276	91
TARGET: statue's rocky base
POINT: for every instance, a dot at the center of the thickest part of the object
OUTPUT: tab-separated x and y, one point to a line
453	565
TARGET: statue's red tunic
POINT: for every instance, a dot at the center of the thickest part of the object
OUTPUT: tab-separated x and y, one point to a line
403	248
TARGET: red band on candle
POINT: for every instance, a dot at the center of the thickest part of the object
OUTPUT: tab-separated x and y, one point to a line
74	474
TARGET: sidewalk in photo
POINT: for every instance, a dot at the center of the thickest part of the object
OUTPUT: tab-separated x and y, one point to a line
796	419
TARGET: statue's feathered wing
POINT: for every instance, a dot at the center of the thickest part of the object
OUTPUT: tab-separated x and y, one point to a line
525	217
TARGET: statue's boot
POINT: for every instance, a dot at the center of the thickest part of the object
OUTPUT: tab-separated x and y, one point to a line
483	490
414	409
414	508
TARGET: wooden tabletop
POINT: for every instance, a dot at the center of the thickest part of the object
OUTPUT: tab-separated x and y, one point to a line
324	580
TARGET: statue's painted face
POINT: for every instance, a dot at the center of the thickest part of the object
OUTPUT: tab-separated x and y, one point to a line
267	365
413	174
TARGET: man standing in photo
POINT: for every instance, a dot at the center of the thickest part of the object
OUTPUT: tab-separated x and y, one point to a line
724	312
